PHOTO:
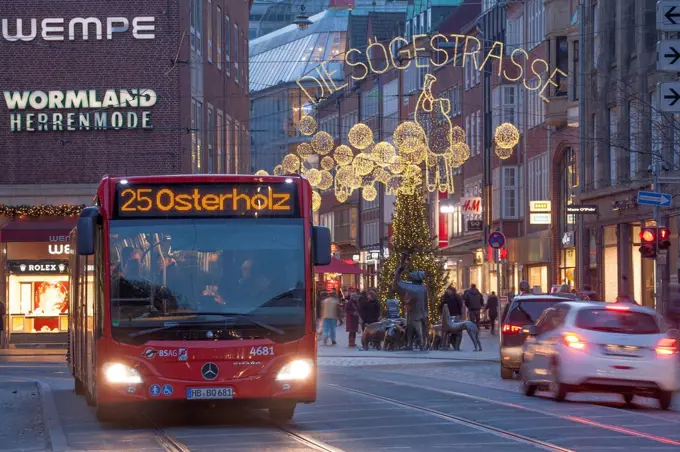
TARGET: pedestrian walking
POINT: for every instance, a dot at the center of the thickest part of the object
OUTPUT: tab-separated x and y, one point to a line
453	301
492	310
370	309
329	308
474	301
352	319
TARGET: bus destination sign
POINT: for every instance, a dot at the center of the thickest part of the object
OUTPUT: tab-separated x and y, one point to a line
206	200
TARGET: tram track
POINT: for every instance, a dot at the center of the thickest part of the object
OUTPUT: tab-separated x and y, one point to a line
305	439
575	419
459	420
164	439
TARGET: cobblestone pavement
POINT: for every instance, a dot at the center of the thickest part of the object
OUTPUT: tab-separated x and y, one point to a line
21	423
370	404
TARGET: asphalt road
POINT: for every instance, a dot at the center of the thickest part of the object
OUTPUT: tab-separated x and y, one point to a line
405	405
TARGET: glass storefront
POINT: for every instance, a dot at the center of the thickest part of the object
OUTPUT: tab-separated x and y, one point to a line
568	266
610	271
538	277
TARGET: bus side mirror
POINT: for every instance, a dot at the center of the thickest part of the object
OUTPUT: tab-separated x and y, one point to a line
87	224
321	245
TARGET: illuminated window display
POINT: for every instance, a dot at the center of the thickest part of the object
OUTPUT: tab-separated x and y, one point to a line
38	293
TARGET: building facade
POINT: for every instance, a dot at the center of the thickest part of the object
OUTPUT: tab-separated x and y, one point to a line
123	88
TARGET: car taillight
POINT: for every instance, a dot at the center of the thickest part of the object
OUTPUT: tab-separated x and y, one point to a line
573	341
667	346
512	329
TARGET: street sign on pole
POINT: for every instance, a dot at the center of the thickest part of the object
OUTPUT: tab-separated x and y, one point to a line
651	198
668	55
668	15
496	240
669	97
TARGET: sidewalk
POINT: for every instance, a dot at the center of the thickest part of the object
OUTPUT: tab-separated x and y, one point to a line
489	342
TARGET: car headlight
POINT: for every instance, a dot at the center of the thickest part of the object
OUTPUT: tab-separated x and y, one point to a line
120	373
300	369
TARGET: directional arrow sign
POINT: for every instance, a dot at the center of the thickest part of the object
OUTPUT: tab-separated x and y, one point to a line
651	198
668	15
668	55
669	97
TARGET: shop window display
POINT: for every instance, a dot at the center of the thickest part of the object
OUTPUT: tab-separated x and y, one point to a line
50	299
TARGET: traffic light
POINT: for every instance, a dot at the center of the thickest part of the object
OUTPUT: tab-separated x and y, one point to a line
648	239
664	238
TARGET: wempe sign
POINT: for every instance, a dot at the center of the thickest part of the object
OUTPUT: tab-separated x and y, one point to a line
29	110
57	28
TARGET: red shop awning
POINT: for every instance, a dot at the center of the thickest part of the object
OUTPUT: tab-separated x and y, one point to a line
338	266
37	230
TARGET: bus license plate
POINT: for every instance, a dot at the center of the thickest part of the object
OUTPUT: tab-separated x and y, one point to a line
210	393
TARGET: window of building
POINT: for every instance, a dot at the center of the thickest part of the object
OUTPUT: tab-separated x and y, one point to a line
514	34
390	112
218	36
575	77
536	23
455	100
228	141
597	162
210	31
496	194
227	45
196	130
244	56
455	222
613	148
410	80
510	192
196	25
567	194
562	62
423	70
211	139
369	104
348	120
478	132
236	54
535	107
237	146
596	31
219	141
633	125
504	105
329	124
538	178
469	134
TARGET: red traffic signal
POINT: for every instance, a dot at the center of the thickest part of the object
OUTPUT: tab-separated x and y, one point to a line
648	239
664	238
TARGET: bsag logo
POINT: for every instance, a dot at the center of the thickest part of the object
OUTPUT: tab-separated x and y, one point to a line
149	353
54	29
167	353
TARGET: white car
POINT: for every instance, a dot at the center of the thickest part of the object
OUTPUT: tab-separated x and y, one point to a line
622	348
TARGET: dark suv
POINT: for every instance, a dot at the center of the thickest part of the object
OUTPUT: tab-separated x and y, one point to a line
523	310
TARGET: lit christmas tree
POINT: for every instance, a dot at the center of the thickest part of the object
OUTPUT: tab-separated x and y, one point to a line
411	234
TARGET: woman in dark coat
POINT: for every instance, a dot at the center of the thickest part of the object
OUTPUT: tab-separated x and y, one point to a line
352	319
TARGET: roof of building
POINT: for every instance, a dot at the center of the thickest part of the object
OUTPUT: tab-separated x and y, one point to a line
287	54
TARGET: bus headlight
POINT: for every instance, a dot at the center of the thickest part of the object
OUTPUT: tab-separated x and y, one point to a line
300	369
121	374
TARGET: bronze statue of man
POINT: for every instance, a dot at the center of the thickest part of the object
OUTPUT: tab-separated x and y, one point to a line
414	294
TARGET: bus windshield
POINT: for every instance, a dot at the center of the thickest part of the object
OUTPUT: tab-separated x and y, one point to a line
189	270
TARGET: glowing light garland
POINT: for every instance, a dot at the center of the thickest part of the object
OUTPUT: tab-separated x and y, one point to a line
305	150
327	163
343	155
261	173
322	142
307	125
291	163
63	210
360	136
506	136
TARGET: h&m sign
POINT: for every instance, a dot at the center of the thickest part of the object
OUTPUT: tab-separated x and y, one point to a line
471	205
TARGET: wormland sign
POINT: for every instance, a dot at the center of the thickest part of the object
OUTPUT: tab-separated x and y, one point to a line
45	111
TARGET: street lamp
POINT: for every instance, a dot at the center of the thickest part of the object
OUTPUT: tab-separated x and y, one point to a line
302	20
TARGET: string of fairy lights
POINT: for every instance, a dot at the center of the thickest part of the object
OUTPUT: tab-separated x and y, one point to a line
418	157
26	211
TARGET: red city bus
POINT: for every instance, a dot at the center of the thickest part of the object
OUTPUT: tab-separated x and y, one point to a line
193	288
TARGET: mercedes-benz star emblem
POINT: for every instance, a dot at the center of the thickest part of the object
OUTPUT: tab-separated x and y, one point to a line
210	371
